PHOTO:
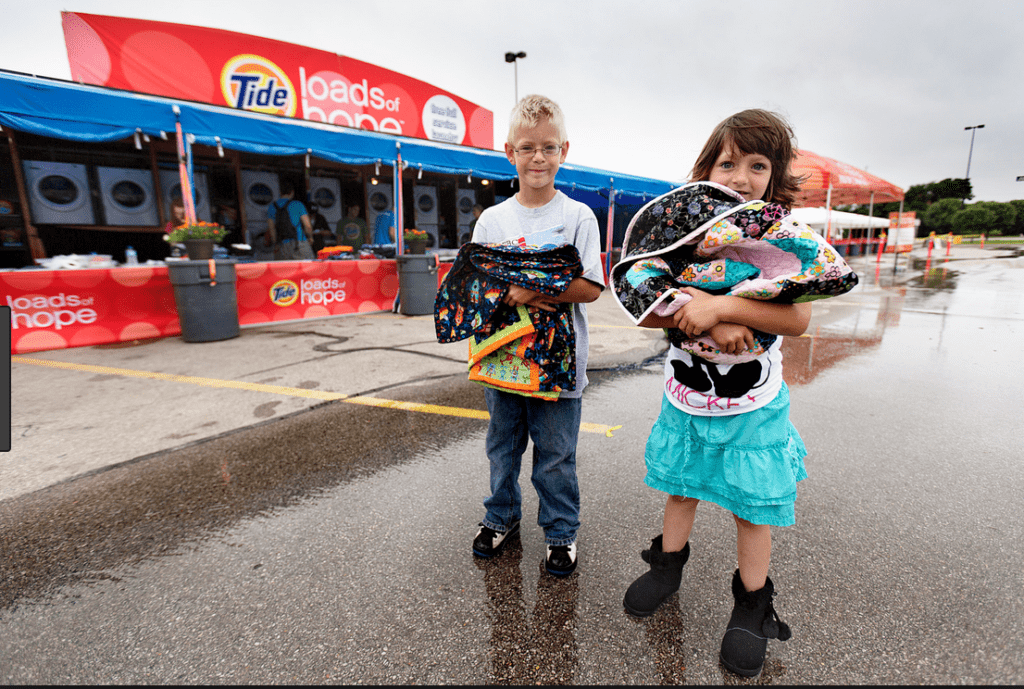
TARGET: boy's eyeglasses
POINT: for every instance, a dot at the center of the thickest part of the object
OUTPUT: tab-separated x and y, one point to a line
529	151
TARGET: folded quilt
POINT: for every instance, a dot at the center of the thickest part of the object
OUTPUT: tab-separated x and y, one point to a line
502	361
704	235
525	349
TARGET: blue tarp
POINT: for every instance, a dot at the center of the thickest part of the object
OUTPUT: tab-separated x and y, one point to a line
68	110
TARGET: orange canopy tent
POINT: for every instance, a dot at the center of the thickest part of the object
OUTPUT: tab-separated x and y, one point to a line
832	183
828	182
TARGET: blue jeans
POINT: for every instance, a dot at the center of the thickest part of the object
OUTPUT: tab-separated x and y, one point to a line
554	428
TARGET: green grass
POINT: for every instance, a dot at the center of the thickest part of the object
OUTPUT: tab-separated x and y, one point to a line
976	239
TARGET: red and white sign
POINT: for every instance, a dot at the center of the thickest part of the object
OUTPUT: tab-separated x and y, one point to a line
264	75
293	290
56	309
902	229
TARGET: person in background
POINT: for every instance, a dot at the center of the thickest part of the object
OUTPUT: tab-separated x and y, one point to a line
290	249
322	235
352	228
177	218
477	210
177	214
227	215
384	228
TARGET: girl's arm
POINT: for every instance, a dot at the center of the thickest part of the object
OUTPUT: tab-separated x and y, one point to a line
731	338
704	311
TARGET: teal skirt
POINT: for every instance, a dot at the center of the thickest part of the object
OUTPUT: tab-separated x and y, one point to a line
747	463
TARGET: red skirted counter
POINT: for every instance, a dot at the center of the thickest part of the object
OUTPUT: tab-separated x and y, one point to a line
55	309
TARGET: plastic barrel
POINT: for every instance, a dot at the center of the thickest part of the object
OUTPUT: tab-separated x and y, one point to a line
206	311
417	284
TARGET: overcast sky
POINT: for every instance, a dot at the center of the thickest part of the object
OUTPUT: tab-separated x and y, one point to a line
887	86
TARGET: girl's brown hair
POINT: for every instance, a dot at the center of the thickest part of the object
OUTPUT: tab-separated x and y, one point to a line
755	131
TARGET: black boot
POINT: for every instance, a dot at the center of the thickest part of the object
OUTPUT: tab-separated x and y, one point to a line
753	622
649	591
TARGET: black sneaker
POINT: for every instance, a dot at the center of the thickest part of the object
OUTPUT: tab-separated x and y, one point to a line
489	542
561	560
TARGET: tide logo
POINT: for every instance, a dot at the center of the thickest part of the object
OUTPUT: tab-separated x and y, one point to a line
284	293
252	82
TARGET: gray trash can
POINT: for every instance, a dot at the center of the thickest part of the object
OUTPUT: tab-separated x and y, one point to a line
417	284
206	311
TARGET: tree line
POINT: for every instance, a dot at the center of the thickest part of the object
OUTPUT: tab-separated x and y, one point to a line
942	208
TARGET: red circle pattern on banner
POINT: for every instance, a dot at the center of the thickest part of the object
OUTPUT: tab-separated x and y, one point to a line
78	308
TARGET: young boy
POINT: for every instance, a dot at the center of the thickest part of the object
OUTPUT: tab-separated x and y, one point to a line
537	145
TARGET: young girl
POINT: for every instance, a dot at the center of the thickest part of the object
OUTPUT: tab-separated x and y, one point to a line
724	433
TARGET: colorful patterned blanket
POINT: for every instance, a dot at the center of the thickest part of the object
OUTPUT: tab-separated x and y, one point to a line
524	350
704	235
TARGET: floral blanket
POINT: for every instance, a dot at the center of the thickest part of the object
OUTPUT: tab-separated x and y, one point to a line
704	235
523	350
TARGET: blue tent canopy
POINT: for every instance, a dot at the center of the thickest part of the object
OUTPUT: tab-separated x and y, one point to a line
68	110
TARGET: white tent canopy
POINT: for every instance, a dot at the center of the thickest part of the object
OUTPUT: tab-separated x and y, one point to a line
818	219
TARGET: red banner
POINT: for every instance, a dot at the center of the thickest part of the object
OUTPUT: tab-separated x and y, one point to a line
292	290
56	309
264	75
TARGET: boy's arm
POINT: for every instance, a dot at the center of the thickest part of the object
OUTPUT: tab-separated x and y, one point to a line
579	291
704	311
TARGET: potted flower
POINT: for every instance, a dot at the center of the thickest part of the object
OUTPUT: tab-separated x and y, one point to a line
416	240
198	238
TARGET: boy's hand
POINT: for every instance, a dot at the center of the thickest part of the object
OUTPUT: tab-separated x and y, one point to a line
732	338
521	296
697	315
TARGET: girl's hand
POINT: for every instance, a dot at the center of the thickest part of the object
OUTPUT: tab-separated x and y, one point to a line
699	314
521	296
732	338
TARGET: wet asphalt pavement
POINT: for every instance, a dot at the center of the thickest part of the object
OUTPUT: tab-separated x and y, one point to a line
331	544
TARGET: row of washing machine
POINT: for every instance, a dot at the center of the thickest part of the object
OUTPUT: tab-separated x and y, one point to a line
59	193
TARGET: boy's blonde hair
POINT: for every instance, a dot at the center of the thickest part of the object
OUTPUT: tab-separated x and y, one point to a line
530	111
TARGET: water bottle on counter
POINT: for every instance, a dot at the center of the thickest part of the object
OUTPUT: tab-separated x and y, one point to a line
131	257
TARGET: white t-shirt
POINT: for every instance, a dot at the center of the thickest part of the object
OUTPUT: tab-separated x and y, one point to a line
510	220
699	387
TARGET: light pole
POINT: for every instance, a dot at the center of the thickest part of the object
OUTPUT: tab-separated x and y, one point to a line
512	57
971	151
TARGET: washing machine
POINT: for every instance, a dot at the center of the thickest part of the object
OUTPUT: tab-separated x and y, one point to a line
325	192
58	193
128	196
464	201
425	202
260	189
379	198
170	189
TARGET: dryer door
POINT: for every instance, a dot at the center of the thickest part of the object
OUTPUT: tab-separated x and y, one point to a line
127	195
325	192
58	193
